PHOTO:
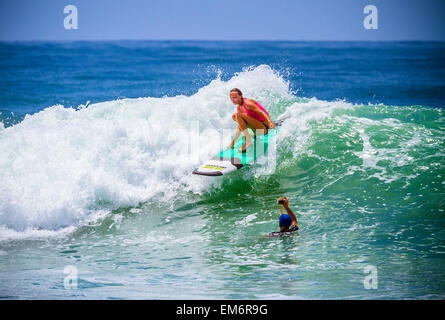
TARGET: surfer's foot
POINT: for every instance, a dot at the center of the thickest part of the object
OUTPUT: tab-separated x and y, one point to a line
245	146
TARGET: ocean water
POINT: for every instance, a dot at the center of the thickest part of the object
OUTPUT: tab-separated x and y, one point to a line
98	141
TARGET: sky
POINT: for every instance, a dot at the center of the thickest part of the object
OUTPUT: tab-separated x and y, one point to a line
306	20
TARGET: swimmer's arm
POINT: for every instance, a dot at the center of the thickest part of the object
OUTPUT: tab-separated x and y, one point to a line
290	212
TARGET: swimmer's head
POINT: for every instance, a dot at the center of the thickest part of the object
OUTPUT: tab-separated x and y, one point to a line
285	220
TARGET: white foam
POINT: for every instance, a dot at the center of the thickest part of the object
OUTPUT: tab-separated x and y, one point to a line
398	156
246	221
61	166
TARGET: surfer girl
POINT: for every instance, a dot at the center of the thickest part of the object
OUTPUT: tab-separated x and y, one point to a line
250	114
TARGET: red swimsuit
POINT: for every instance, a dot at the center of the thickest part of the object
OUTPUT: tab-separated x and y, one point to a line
254	114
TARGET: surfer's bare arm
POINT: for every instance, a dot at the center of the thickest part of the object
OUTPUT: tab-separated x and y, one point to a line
290	212
251	105
237	134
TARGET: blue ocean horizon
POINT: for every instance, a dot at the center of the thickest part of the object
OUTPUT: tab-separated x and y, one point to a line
38	74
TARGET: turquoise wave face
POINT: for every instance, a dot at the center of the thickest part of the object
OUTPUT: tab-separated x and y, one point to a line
375	157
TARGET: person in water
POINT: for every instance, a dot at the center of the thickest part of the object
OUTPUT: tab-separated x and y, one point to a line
287	221
250	114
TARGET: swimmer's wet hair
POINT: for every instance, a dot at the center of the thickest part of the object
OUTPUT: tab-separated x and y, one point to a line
237	90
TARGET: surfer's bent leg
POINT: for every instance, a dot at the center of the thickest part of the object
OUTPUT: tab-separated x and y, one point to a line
243	128
256	125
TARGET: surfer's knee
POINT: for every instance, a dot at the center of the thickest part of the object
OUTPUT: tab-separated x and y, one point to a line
237	117
242	115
